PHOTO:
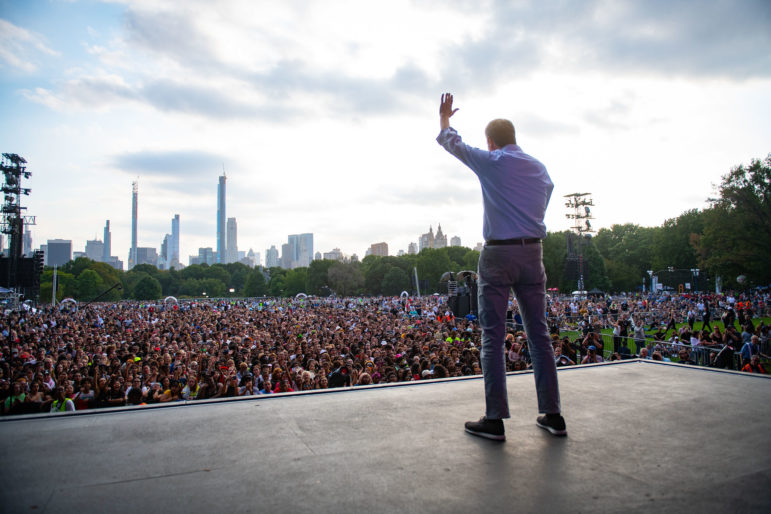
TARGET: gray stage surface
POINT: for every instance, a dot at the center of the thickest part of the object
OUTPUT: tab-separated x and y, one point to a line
643	437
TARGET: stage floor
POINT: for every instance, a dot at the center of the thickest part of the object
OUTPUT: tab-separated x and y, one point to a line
643	437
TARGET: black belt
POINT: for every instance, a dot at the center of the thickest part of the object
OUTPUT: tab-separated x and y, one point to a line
516	241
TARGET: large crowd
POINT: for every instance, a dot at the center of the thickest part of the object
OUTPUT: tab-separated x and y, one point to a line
64	358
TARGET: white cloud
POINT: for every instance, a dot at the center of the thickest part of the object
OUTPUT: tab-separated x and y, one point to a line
325	112
20	48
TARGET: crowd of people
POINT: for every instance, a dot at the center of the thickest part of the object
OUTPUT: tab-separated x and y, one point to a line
65	358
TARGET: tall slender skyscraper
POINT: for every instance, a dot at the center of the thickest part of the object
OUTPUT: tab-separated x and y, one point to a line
134	201
107	243
221	230
232	252
174	250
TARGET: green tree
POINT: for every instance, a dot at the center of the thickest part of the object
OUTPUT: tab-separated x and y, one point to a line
88	285
737	226
148	288
194	271
395	281
470	260
595	274
374	268
346	278
130	280
295	280
277	286
110	277
238	275
192	287
675	243
147	268
213	288
46	284
457	256
218	272
626	250
75	267
318	280
554	260
432	263
255	284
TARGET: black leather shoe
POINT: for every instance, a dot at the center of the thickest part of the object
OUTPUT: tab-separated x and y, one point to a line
554	423
489	428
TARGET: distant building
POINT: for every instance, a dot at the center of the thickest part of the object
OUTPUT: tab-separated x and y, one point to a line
317	256
107	246
173	249
206	256
59	252
115	263
163	258
95	250
26	243
147	255
440	240
221	229
379	249
400	253
232	240
297	252
78	255
249	258
334	255
271	257
455	241
431	240
132	261
412	249
479	247
287	255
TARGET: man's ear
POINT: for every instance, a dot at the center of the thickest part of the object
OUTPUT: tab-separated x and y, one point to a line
491	145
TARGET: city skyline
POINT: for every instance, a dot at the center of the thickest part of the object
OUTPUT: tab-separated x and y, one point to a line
324	115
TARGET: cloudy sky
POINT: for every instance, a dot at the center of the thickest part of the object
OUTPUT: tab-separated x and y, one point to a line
324	114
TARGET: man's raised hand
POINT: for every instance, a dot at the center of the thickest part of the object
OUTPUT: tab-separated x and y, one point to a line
446	111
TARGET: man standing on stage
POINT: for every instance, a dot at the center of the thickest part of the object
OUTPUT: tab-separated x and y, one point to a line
515	190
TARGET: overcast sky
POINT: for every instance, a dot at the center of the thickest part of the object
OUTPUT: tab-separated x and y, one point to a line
324	114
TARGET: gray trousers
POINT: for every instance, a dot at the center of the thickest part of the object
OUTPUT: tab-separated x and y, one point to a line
520	267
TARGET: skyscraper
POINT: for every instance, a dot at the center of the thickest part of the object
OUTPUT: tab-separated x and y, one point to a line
164	261
26	243
132	261
59	251
232	252
174	243
221	234
304	250
271	257
107	242
298	252
95	250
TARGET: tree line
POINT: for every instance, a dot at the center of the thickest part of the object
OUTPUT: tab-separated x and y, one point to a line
729	239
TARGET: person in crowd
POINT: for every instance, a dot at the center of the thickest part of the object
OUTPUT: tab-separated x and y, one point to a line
60	402
173	393
592	356
754	366
685	357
